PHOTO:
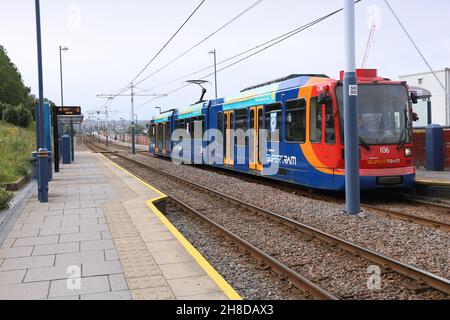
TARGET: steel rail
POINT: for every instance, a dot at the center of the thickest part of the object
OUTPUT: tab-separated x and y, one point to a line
294	277
409	217
422	276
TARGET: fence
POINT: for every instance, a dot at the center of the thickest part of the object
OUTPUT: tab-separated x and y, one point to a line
420	147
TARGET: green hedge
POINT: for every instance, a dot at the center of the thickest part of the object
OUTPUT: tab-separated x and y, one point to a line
19	116
5	198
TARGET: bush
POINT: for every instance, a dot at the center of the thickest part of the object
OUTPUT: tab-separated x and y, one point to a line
23	117
5	198
11	115
3	107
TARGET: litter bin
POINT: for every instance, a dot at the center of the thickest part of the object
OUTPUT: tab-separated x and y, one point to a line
66	149
34	166
434	144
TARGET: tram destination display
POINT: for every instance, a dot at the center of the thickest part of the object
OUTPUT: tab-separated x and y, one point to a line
68	111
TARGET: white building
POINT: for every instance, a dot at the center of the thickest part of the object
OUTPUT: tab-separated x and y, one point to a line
440	100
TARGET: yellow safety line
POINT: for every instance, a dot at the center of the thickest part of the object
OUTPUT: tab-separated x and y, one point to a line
433	182
201	261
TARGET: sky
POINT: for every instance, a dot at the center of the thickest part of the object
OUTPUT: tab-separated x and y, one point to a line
111	41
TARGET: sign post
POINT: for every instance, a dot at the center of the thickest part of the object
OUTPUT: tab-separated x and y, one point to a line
41	150
352	182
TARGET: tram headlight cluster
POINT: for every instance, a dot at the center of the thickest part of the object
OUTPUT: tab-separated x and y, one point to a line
409	152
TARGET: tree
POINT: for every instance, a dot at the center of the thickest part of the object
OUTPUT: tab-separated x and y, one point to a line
23	116
12	89
10	115
3	107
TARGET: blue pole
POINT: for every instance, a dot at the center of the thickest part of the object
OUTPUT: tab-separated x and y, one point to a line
42	151
352	182
38	124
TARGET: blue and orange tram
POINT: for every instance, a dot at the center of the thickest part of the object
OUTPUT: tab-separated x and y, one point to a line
306	111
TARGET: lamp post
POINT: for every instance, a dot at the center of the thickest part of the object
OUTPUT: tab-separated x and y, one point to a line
213	52
352	182
42	151
56	140
61	49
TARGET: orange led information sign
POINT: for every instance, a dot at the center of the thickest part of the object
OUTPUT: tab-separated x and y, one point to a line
68	111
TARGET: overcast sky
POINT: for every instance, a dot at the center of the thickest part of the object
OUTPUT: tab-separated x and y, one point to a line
111	41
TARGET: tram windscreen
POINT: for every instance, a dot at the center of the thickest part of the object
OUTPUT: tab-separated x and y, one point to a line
383	114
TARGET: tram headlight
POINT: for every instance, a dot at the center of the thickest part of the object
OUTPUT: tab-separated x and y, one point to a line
408	152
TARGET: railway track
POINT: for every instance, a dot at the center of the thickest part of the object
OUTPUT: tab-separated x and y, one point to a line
282	227
440	213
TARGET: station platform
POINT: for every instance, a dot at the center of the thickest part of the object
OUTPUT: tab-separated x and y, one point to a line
441	178
100	237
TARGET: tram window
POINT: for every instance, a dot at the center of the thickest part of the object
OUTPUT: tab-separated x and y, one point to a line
220	125
179	124
168	134
203	123
200	121
241	126
316	121
160	137
296	121
189	128
152	132
273	121
330	131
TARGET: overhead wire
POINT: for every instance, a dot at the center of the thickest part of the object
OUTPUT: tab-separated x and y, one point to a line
161	50
266	45
253	5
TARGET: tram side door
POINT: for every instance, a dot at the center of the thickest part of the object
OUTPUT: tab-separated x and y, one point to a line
164	138
256	146
229	138
157	138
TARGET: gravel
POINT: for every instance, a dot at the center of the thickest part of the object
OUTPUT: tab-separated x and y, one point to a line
334	269
421	246
251	279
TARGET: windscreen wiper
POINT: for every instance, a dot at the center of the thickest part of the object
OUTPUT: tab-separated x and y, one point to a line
364	143
404	136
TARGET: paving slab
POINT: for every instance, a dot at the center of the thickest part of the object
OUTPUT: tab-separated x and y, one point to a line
24	291
27	262
97	228
59	288
16	252
12	277
57	248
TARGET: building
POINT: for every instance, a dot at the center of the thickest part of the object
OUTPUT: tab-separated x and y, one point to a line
440	98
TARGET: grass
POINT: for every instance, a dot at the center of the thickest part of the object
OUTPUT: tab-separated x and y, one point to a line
16	145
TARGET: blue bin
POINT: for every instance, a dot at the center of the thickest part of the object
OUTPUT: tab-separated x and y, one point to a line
66	149
35	166
434	144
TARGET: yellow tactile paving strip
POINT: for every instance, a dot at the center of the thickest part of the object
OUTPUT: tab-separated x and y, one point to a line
136	233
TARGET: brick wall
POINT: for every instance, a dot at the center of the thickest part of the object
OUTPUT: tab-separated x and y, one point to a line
419	147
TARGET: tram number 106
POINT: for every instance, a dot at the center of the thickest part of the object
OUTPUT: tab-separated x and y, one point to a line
385	150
